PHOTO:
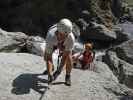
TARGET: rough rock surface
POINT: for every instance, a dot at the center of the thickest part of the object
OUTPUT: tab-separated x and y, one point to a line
127	27
124	51
121	69
36	45
12	41
120	60
34	17
99	32
21	80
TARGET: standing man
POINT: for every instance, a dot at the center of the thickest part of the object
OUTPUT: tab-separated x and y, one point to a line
60	36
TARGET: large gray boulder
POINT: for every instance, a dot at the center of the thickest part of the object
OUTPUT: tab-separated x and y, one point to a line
36	16
127	28
24	65
103	70
131	14
87	84
122	35
121	69
36	45
124	51
99	32
21	79
12	41
117	4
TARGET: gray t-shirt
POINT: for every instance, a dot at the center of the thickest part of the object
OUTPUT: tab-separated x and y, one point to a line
51	41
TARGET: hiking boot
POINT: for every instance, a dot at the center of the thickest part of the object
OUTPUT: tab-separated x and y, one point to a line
50	79
68	80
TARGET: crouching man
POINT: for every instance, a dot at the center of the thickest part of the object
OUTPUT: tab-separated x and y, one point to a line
62	38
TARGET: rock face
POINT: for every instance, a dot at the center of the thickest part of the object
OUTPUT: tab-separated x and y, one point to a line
121	69
20	76
124	51
36	16
36	45
12	41
99	32
120	61
23	81
127	28
14	65
117	4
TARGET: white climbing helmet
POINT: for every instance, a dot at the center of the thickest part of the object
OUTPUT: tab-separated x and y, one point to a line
64	25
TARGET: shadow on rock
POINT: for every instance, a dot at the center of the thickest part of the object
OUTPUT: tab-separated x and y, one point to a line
126	98
58	83
25	82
